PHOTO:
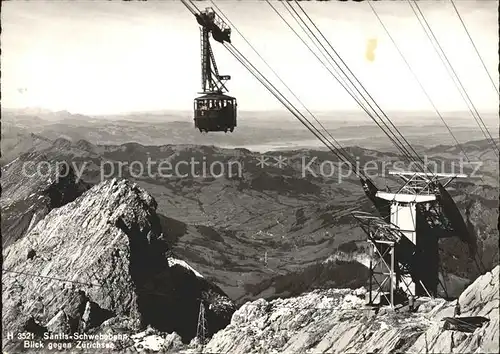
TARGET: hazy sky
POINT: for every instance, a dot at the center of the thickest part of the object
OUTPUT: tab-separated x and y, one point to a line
97	57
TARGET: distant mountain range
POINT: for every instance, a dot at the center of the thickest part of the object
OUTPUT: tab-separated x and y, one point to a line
258	131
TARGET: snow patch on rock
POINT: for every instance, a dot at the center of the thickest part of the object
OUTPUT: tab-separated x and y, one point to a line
174	261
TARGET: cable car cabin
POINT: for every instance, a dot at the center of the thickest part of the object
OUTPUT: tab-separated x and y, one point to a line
215	113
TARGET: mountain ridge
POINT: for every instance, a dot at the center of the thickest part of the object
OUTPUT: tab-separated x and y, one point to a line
104	251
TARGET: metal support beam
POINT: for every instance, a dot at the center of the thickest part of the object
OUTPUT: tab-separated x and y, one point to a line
378	252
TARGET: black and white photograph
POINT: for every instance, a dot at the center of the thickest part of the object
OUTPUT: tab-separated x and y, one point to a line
250	176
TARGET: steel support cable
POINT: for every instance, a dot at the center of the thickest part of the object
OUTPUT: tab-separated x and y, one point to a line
361	86
475	48
271	88
417	79
478	261
341	149
189	5
352	74
389	202
451	71
148	292
476	255
403	150
420	83
194	5
338	77
409	159
343	83
283	100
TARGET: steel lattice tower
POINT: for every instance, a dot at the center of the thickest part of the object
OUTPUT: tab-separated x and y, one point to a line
202	326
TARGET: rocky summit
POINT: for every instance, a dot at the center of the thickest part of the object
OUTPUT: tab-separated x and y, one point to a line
100	264
337	321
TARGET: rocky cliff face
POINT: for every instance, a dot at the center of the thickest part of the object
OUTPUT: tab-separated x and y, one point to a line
335	321
31	187
99	263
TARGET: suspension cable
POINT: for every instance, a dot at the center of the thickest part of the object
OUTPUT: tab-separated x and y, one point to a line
400	145
342	80
361	86
278	95
388	202
451	71
475	48
338	77
341	149
418	81
403	150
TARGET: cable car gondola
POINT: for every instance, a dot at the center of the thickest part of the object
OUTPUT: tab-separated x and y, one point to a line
214	111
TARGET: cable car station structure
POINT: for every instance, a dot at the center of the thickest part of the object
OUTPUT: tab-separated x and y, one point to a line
403	256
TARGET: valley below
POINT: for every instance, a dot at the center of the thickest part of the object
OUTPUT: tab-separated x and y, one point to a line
125	226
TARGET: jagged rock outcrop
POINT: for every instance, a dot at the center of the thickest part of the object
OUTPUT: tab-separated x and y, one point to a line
62	143
86	146
100	263
16	141
335	321
154	341
33	185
